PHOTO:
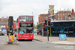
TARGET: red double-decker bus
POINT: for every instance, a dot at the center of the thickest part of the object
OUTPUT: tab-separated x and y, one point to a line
25	27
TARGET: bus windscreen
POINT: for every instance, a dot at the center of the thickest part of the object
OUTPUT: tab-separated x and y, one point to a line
25	31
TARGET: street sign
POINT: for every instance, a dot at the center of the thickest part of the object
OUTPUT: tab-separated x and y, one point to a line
62	36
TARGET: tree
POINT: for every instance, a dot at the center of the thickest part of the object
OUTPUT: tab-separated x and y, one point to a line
36	26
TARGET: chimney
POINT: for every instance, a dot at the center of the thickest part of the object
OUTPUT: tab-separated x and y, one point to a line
72	12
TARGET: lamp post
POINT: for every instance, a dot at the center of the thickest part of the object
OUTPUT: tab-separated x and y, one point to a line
42	29
47	24
53	14
49	12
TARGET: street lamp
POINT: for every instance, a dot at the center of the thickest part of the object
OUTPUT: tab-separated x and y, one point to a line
53	14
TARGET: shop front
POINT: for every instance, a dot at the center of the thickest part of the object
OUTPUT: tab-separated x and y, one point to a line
66	27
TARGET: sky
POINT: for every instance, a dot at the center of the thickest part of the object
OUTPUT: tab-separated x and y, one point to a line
32	7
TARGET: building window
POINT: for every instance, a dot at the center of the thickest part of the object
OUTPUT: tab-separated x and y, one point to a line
42	17
58	15
42	21
58	18
58	24
61	18
63	14
46	16
68	13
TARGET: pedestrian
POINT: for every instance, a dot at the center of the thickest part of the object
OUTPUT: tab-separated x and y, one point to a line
37	32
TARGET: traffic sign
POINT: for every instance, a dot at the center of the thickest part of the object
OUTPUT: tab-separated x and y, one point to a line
62	36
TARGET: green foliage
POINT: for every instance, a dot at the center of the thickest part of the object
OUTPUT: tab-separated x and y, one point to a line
36	26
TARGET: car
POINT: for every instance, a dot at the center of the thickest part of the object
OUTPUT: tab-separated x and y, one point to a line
1	33
4	31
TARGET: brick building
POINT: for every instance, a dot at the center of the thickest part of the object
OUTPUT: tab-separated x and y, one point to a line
3	19
4	23
60	15
63	15
42	17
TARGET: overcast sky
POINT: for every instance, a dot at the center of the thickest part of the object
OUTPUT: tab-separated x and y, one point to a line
26	7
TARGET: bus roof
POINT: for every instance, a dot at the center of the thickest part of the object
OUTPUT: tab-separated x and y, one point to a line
26	15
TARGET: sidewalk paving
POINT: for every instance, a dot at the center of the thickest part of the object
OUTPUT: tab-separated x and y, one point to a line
55	40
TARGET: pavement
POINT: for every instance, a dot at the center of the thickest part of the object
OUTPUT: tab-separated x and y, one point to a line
55	40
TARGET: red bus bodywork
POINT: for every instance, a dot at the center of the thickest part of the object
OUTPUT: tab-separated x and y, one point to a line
14	28
25	36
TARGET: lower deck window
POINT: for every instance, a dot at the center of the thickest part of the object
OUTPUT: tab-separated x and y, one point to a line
25	30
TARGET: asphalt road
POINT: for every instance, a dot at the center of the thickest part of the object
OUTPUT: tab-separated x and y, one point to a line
31	45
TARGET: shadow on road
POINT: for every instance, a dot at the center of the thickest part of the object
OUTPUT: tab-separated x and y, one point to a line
25	40
1	35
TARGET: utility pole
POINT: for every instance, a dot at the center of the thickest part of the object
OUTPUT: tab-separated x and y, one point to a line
48	24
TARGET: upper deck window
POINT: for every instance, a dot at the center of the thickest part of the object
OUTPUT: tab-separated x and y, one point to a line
26	18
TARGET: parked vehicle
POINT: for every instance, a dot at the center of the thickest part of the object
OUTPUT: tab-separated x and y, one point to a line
37	32
4	31
1	33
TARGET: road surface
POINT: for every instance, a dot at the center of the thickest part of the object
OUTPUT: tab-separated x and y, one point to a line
31	45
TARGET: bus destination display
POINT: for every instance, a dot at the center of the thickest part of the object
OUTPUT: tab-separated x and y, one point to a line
26	24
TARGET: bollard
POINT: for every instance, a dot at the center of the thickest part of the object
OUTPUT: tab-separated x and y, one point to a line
10	40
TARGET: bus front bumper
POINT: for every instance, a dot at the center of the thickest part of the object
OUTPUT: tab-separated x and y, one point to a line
25	38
